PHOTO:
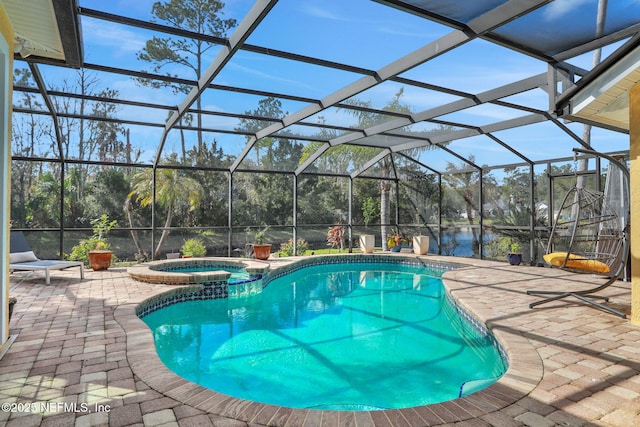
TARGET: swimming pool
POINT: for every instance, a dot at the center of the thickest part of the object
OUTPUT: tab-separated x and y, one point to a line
346	336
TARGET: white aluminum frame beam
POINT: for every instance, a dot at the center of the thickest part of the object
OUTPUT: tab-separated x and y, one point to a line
258	12
500	15
537	81
384	153
466	133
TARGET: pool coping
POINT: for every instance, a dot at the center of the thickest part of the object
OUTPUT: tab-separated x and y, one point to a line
523	374
148	272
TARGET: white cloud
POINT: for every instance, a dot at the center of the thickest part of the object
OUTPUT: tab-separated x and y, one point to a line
560	9
318	11
406	32
119	40
256	72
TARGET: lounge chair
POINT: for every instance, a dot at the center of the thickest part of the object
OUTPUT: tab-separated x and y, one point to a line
22	258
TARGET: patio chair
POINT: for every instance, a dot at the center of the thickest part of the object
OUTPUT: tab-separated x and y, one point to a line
22	258
590	236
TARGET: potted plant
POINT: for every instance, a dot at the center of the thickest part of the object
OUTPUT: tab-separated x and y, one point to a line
367	242
261	250
515	255
394	240
193	248
95	251
100	257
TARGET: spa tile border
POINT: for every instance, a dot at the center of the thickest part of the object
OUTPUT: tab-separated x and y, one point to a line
215	290
436	267
473	325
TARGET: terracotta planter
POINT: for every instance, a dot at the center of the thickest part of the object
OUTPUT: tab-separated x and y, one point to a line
261	251
100	260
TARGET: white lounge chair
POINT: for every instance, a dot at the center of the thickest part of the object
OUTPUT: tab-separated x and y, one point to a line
22	258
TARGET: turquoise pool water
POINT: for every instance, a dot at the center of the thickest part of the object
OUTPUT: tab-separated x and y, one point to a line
238	274
339	336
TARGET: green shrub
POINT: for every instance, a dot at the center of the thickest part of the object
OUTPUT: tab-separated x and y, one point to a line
80	252
98	241
497	247
193	247
286	248
259	235
369	210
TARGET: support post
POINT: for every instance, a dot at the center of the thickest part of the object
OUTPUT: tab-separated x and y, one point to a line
350	219
6	66
533	216
230	215
295	214
481	213
440	199
634	155
153	212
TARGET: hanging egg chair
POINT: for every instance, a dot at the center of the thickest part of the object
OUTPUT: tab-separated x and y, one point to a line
589	236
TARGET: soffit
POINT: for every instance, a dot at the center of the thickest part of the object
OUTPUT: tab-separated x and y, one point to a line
45	30
602	96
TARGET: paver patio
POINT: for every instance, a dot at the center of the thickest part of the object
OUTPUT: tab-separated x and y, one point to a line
82	358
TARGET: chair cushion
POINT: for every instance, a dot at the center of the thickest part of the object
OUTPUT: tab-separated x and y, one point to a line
576	262
18	257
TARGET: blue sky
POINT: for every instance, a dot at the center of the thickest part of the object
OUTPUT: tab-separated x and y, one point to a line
333	30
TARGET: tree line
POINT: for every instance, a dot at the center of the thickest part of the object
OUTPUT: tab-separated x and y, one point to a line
101	174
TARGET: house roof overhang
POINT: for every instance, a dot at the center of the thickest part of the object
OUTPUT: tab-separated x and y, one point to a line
46	31
602	95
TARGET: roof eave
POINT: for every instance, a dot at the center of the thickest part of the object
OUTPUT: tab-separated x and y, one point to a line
70	31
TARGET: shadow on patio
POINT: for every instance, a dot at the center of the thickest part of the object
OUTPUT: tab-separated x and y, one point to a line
78	345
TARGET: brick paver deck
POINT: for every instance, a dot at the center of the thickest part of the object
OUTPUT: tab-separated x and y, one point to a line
82	358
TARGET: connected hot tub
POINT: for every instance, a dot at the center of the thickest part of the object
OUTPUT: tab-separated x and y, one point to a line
223	277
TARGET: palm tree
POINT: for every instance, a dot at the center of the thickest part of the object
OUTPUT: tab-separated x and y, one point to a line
172	190
466	184
368	119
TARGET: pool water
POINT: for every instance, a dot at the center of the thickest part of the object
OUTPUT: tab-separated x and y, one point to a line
340	336
238	274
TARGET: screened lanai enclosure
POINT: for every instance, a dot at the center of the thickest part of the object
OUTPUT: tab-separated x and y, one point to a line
195	118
